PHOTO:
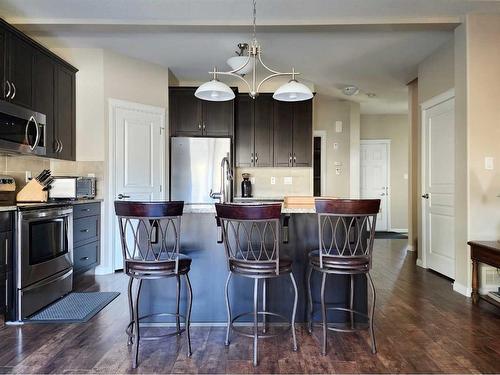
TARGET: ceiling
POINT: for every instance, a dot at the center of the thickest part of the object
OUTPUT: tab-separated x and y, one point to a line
375	45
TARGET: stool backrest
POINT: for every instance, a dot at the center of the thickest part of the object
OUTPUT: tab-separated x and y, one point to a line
149	231
251	232
346	227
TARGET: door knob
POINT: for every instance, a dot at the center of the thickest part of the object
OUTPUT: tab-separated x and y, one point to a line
121	196
426	196
383	194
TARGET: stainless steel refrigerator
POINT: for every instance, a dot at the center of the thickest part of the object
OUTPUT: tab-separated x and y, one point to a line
200	170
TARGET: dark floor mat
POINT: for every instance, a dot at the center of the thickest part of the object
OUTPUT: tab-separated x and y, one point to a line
74	308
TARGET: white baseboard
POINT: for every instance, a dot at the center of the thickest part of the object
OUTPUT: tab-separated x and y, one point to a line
398	230
420	263
410	248
462	289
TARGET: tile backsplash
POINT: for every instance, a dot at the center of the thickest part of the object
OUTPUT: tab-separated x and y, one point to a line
288	181
17	165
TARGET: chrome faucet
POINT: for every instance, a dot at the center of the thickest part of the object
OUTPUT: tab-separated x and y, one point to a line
226	178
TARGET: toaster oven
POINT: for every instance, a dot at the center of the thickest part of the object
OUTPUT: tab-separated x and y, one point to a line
67	187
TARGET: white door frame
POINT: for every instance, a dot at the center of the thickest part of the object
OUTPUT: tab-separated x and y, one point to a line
424	108
387	142
113	104
322	135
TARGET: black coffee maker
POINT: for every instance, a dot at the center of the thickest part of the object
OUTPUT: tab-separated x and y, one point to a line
246	186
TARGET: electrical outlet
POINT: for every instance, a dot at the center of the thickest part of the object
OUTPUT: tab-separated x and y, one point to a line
338	171
273	180
488	163
91	175
335	146
252	180
27	175
338	126
287	181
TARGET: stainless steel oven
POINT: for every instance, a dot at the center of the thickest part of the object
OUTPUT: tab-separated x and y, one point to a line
45	257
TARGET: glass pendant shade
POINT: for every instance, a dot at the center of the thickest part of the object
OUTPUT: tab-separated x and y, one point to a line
236	61
214	91
293	91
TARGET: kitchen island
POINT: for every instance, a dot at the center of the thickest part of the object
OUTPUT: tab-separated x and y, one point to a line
209	271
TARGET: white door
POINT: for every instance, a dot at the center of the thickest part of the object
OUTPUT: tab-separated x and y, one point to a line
374	166
438	187
139	155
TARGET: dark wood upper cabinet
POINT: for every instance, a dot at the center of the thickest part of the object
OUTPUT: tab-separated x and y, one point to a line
3	61
20	70
44	96
40	80
192	117
293	134
254	131
283	134
244	131
218	118
65	129
185	113
302	134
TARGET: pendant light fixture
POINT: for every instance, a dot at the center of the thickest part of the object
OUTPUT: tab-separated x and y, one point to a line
243	66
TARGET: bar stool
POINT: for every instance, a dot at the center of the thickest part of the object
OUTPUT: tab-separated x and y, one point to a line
150	238
251	240
346	233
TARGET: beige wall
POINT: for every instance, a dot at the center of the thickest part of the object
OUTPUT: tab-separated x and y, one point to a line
395	128
483	128
436	72
326	112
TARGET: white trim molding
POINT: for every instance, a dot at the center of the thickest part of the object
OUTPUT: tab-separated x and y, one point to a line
462	289
398	230
438	99
420	263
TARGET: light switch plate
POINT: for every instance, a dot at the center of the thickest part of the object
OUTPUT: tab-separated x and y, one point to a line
338	126
488	163
335	146
273	180
338	171
287	181
338	163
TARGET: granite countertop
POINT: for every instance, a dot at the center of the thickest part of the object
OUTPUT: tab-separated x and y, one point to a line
210	209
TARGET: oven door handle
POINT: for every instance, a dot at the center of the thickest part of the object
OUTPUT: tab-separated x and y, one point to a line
54	213
49	280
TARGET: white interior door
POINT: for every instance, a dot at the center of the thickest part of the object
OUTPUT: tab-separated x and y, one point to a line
139	155
374	166
438	189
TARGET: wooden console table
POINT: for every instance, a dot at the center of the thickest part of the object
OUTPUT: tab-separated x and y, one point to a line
487	252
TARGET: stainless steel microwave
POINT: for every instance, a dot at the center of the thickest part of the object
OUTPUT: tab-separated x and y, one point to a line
69	187
21	130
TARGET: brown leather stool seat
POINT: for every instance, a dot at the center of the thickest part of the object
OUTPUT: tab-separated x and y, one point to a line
259	268
352	263
155	268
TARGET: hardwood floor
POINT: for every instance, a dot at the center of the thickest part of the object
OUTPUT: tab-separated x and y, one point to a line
421	326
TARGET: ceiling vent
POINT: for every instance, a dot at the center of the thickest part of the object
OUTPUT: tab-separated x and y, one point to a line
350	90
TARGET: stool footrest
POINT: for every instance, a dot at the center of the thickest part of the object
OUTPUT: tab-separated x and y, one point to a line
261	335
129	333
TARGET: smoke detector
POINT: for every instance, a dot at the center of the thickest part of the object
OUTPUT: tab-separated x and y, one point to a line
350	90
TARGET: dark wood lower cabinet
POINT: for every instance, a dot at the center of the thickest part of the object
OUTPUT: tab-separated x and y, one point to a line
86	236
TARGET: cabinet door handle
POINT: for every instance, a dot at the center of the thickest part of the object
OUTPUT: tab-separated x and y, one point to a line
6	252
256	157
84	258
204	127
13	91
199	126
289	158
9	89
251	158
62	146
84	230
85	209
294	158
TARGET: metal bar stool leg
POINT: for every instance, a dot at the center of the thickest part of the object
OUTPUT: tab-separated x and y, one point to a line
323	312
255	320
295	300
264	305
228	307
136	323
178	300
310	304
372	313
188	315
131	310
351	301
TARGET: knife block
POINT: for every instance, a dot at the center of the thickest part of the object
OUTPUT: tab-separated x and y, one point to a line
32	192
